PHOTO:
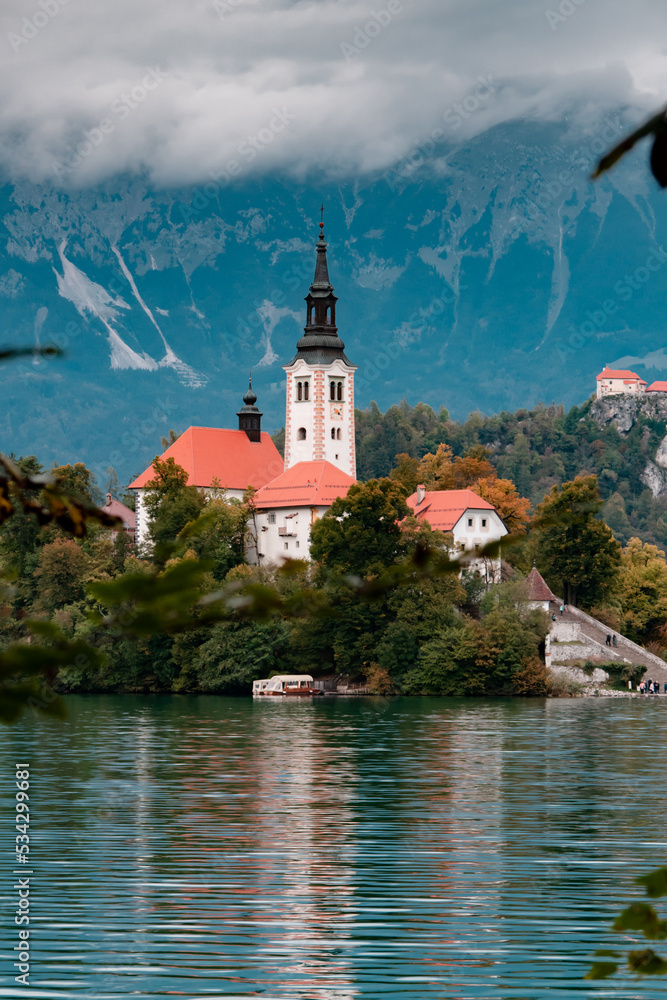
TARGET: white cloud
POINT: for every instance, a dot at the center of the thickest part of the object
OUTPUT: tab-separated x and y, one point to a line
256	86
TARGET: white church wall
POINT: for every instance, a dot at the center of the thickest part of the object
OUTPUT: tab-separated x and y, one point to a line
319	428
282	533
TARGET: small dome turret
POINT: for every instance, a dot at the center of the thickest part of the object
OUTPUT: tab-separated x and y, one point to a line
250	419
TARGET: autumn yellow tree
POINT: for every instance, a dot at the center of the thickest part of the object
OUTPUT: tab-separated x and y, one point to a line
503	494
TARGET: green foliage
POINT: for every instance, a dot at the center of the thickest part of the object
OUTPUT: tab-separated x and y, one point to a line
170	503
638	918
578	552
360	533
534	449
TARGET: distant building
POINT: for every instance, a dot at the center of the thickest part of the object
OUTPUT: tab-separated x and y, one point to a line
539	594
127	516
611	381
656	387
472	521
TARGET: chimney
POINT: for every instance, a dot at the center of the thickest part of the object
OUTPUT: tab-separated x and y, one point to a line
421	493
109	499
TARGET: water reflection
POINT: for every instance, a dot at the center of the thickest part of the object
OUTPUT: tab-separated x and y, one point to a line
203	847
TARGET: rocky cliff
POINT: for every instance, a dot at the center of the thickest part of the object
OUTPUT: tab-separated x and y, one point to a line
650	413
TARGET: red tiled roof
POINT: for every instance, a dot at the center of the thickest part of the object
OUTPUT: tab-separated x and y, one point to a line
657	387
537	587
306	484
617	373
208	453
443	508
118	509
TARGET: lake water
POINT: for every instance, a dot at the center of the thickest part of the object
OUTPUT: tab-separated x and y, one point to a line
400	848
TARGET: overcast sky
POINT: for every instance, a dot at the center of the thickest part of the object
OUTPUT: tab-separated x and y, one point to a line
183	87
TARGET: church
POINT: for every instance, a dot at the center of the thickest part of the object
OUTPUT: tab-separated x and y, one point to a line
320	460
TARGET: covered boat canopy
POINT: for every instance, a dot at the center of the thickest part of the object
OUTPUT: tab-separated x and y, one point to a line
291	678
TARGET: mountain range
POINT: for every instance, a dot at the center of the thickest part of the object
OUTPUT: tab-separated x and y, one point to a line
486	276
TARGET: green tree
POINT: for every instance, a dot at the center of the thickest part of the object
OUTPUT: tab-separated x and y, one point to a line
579	552
77	481
219	533
360	533
170	503
61	571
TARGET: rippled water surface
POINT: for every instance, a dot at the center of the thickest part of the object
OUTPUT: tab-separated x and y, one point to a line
210	847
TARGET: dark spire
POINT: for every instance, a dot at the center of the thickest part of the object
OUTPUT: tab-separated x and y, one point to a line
250	398
250	419
320	343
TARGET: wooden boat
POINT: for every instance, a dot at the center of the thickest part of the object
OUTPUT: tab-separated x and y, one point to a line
259	687
287	685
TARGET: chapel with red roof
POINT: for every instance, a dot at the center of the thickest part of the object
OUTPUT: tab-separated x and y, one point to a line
320	461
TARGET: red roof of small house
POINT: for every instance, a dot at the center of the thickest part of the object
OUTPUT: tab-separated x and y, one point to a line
657	387
118	509
208	453
306	484
443	508
618	373
537	587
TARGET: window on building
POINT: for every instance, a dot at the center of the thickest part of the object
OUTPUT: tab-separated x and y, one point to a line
305	390
272	518
297	544
484	522
470	522
286	545
338	433
333	433
332	390
336	457
301	434
339	390
299	391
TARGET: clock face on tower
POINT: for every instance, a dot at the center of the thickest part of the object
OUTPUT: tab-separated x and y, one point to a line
336	412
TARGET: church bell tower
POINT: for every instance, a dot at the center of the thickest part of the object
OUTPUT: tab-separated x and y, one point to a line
319	423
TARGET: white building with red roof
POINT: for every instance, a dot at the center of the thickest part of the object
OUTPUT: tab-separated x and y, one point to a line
216	457
320	462
471	521
618	380
287	507
127	516
656	387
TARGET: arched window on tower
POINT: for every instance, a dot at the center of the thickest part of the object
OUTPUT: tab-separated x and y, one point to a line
332	390
299	391
312	315
333	433
339	390
328	314
305	390
338	433
301	434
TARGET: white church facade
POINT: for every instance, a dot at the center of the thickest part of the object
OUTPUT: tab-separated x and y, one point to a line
320	458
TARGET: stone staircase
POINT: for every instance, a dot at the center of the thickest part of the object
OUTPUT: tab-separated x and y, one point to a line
591	636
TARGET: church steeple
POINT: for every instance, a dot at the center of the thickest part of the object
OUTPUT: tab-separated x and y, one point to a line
320	343
319	417
250	419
